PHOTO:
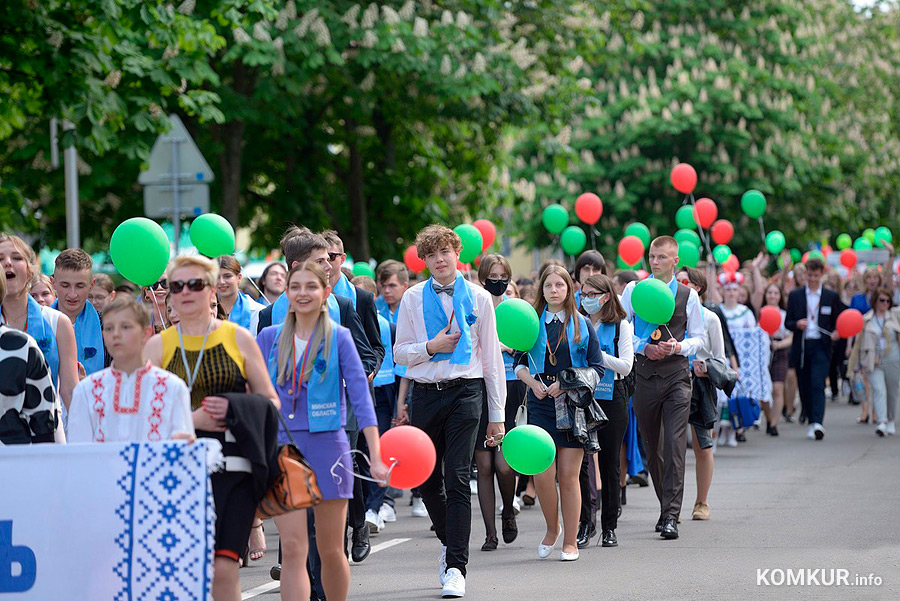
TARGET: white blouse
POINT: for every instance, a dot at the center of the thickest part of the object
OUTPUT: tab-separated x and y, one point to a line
739	317
622	363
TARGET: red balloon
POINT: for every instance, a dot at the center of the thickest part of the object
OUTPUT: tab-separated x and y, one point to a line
488	232
589	208
684	178
848	258
722	231
412	454
412	260
805	257
705	212
643	274
732	264
462	266
827	250
849	323
770	319
631	249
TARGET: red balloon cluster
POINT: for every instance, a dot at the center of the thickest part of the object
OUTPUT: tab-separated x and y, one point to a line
848	258
849	323
412	261
705	212
589	208
770	319
488	232
412	454
722	231
683	178
631	249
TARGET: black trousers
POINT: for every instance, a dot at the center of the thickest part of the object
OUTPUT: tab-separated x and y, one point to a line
450	418
837	369
610	439
587	482
811	378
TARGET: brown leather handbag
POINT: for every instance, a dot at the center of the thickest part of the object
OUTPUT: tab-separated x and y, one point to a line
295	487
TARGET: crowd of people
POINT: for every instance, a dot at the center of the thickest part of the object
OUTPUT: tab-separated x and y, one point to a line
207	353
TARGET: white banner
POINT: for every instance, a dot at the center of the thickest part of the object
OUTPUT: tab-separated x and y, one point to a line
113	521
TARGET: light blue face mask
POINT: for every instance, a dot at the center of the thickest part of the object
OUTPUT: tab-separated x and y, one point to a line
591	305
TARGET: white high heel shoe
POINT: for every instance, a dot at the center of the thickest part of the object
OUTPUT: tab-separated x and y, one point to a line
565	556
545	550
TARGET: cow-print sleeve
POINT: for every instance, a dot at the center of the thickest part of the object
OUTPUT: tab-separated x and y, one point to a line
41	402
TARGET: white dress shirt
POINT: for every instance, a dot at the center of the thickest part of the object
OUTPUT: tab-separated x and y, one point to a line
622	363
695	333
486	360
715	341
813	305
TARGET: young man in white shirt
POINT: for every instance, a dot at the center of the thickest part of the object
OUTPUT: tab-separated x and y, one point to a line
447	338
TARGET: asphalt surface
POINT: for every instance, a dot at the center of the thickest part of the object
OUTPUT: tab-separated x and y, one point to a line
783	503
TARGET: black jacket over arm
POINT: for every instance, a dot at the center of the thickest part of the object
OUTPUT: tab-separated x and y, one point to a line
829	309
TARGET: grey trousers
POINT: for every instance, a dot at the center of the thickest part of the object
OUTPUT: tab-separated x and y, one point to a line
662	406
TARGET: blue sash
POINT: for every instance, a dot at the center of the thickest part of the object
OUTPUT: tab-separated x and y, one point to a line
606	332
436	320
346	289
578	353
88	338
385	311
281	305
509	362
632	451
643	329
39	329
385	374
241	311
323	391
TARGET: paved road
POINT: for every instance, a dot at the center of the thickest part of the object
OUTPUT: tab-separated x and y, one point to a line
776	503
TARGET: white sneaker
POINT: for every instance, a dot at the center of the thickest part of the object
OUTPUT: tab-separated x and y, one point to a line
732	438
418	508
374	522
454	584
811	432
387	513
891	429
442	564
881	429
818	431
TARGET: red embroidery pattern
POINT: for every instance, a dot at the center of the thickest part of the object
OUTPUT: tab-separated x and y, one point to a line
157	405
99	406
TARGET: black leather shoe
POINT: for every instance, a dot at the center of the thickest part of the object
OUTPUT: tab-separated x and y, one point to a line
275	572
640	479
490	543
510	529
774	431
360	547
669	529
622	500
586	531
740	437
609	538
660	522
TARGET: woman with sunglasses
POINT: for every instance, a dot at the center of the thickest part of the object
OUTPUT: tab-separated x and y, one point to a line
601	304
312	359
494	275
215	357
154	296
237	306
877	353
565	340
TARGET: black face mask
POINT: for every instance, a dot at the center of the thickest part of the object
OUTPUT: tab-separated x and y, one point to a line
497	287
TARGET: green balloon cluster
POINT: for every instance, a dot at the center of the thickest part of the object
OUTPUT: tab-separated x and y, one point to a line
362	268
688	254
639	230
753	203
684	218
721	253
573	240
528	449
555	218
863	243
471	242
815	254
518	324
139	249
775	242
653	301
684	235
844	241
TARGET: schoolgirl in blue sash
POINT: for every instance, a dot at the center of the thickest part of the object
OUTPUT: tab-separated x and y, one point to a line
601	304
565	339
239	307
315	368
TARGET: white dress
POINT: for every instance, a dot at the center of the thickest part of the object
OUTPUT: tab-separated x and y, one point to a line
149	404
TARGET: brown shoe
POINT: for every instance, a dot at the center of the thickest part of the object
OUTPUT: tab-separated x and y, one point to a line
701	511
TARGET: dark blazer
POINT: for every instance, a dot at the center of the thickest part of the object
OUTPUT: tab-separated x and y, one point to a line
350	320
829	308
365	307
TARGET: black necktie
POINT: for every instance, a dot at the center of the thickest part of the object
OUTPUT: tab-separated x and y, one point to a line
448	289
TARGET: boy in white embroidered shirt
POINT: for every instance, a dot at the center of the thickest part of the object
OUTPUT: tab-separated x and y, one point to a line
131	401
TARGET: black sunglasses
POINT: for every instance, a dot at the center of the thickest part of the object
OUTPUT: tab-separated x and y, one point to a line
194	285
334	256
160	285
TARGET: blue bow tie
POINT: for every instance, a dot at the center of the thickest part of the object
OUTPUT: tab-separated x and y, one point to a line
448	289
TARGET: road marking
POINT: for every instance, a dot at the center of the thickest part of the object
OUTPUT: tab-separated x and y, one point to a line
269	586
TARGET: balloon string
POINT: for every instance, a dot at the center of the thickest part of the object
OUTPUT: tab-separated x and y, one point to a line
261	295
703	237
162	321
762	231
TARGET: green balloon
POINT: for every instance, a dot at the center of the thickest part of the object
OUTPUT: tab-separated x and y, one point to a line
212	235
775	242
639	230
684	218
844	241
815	254
528	449
883	235
862	244
796	255
688	254
140	250
869	234
573	240
471	242
721	253
362	268
653	301
753	203
682	236
518	324
555	218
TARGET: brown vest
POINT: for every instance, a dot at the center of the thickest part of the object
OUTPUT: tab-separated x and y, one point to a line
671	365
